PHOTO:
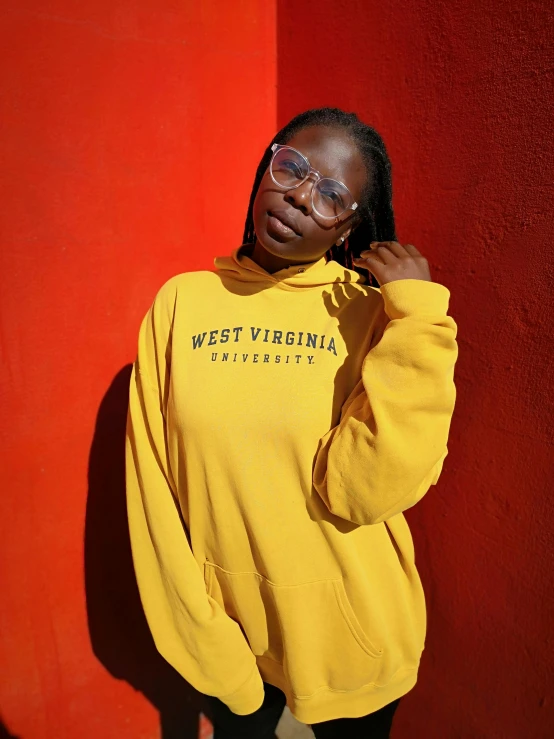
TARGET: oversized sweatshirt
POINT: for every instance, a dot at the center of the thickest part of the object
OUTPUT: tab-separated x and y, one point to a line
279	425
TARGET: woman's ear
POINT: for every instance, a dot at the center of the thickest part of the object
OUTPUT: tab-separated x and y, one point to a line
343	238
354	223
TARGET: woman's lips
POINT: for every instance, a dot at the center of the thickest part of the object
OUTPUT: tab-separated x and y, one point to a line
276	226
284	222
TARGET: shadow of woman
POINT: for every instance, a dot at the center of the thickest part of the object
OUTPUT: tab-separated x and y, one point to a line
4	733
119	633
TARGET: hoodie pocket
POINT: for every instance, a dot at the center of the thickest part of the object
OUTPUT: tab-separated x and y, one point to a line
310	629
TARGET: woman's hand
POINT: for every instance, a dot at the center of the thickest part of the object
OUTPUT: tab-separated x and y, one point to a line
389	261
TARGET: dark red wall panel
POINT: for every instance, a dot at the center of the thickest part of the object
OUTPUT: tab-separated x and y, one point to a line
461	93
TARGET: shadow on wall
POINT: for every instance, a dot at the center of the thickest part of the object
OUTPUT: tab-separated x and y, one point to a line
4	733
119	633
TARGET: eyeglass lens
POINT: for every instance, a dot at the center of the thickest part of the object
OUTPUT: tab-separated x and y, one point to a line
330	197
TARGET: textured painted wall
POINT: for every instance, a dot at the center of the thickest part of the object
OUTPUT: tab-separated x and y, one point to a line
462	94
122	126
117	118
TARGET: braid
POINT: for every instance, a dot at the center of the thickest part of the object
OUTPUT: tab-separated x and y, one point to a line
375	207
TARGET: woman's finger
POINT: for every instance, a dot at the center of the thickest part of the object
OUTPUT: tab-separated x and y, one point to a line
384	253
412	251
373	257
395	247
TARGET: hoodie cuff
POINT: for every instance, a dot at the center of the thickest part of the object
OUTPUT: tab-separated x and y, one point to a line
249	697
414	298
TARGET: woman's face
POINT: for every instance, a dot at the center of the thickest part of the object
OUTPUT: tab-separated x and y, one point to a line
333	153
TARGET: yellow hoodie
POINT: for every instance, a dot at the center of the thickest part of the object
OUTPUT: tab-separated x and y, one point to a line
279	425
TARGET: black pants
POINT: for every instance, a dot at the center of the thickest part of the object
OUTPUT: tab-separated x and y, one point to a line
262	723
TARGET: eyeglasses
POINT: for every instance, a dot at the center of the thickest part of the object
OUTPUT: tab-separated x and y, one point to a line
290	169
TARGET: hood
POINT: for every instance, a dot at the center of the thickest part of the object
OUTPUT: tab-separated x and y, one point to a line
239	266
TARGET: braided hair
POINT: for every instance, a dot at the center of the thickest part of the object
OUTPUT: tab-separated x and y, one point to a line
375	208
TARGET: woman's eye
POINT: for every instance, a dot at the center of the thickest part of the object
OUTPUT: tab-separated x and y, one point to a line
293	168
333	196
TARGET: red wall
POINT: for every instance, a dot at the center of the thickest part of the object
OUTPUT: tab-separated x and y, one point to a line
131	134
461	93
122	123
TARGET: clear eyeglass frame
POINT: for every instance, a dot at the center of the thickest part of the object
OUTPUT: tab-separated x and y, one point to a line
311	171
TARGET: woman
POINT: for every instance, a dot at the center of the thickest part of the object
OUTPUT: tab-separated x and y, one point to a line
284	410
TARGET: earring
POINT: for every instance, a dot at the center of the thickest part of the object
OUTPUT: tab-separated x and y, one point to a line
340	240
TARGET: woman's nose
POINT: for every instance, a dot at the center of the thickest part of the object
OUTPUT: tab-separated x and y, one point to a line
301	197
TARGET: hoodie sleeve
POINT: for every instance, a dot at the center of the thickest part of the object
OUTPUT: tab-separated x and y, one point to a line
391	440
190	630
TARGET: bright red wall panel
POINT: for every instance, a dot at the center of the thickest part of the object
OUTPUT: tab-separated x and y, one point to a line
131	132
